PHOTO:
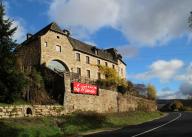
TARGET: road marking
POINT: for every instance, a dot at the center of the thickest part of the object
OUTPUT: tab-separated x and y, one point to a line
150	130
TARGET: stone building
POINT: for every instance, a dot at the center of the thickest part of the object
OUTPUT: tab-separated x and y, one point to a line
56	49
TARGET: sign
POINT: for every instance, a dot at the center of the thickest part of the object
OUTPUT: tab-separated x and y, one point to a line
84	88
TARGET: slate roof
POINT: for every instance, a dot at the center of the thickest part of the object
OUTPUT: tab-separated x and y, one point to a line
78	45
89	49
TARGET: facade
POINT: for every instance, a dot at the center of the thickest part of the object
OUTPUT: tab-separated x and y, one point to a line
56	49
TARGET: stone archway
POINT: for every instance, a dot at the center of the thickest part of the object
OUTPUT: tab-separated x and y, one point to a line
58	65
55	80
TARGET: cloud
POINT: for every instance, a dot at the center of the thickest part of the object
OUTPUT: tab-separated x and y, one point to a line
164	70
186	79
185	88
186	76
20	33
86	15
167	93
143	22
127	51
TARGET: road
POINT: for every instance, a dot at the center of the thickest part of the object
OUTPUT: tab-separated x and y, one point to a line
175	124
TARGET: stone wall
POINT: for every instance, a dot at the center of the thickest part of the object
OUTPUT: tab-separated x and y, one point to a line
17	111
132	103
106	102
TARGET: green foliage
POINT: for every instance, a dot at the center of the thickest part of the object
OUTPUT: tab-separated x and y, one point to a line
151	91
82	121
36	76
29	127
11	80
71	124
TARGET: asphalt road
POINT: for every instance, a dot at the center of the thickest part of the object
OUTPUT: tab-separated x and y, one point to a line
175	124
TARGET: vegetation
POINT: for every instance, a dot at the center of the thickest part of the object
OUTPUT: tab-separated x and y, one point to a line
190	20
73	124
177	105
11	80
111	75
112	80
151	92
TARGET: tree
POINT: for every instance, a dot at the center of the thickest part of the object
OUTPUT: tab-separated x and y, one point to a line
190	20
177	105
11	80
151	92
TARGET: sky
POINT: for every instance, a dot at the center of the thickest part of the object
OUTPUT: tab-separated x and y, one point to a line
152	35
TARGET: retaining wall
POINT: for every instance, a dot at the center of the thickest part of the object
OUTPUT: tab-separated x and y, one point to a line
106	102
17	111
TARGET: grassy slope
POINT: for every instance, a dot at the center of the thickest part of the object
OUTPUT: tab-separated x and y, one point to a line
73	124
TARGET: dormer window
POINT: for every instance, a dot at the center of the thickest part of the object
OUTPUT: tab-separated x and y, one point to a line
96	51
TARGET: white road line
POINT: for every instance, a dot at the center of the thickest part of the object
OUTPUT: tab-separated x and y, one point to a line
150	130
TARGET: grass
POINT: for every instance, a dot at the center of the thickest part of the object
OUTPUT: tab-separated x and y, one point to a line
17	102
73	124
132	118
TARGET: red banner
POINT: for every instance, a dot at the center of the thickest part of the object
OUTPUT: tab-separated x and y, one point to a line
84	88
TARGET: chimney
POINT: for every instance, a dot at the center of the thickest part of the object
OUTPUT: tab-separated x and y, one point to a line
66	32
29	35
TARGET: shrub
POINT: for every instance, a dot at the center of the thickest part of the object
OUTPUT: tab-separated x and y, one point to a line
151	92
177	105
112	80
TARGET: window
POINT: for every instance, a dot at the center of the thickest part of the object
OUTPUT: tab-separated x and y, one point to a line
88	73
99	75
45	44
113	66
122	72
58	48
77	56
58	37
98	62
96	51
79	71
87	60
106	64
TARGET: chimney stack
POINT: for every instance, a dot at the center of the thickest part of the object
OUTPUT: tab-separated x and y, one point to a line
29	35
66	32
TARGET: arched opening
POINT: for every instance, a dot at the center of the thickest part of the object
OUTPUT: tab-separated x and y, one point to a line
55	80
57	65
29	111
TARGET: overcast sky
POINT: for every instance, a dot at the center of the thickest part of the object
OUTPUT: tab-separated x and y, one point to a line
152	35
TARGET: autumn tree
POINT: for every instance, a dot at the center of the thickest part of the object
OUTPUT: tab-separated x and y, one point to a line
177	105
11	81
151	92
